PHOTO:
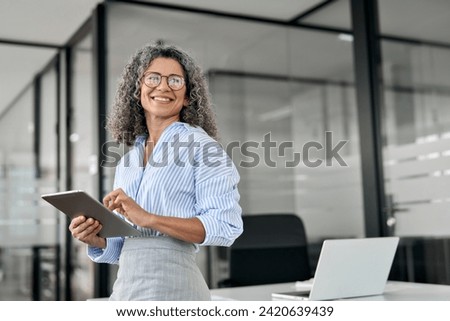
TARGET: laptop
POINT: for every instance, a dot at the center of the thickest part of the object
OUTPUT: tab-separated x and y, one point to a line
349	268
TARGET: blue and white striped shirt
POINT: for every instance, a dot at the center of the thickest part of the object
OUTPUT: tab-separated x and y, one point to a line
188	175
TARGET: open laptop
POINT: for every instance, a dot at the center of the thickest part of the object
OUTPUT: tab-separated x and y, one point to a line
349	268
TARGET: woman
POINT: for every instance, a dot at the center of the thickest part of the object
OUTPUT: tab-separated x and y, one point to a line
176	185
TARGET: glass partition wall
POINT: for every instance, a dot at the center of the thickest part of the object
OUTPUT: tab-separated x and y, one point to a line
416	155
285	107
17	178
414	116
83	140
416	130
48	182
33	249
29	230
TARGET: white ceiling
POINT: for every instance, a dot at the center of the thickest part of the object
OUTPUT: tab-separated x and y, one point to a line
279	9
53	22
46	21
419	19
50	22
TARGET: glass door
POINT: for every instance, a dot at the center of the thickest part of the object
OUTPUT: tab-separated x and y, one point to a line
416	154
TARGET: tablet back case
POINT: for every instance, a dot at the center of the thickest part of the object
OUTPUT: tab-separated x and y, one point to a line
76	203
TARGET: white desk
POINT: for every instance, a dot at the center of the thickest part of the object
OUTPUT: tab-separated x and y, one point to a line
395	291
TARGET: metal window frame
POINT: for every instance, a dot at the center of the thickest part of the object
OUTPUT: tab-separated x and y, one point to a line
102	270
367	62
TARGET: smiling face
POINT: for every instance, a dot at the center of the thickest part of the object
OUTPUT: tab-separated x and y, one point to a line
161	103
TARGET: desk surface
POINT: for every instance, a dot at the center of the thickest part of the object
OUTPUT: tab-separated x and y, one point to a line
395	291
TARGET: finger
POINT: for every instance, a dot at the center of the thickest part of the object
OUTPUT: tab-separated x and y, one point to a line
108	199
77	221
119	210
118	203
111	195
111	200
89	230
118	193
115	207
97	229
79	229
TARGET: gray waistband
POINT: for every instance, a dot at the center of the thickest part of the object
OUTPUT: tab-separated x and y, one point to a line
162	242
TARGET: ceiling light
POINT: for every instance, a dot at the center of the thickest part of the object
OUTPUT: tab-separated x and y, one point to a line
345	37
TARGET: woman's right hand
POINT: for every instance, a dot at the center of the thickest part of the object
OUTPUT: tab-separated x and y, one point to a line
86	230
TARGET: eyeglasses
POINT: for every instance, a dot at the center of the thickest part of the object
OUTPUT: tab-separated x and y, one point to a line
153	79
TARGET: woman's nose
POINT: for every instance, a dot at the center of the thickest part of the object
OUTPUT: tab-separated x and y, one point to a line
163	85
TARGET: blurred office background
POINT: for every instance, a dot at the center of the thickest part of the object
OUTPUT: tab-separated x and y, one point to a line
373	73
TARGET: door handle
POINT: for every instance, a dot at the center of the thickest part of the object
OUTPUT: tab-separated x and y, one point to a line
390	217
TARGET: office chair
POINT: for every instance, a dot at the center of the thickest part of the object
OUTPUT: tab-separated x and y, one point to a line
272	249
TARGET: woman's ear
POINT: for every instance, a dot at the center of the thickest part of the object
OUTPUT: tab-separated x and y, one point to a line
186	101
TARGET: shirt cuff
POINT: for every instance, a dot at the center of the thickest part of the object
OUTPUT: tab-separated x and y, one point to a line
213	236
110	254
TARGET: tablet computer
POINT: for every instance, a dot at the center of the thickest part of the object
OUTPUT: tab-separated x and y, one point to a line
76	203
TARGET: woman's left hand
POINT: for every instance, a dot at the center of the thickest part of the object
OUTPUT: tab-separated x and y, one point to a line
120	202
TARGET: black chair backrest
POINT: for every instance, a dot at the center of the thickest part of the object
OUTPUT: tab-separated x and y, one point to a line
272	249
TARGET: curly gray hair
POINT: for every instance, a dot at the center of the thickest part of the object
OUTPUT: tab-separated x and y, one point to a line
127	120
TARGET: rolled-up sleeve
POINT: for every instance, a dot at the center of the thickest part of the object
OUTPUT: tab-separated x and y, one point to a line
217	202
110	254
